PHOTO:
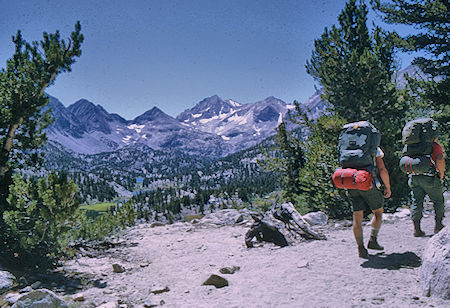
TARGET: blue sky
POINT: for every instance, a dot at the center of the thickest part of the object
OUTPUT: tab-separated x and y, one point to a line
171	54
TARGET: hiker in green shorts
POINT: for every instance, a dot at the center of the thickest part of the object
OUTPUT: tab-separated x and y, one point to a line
372	199
360	157
428	184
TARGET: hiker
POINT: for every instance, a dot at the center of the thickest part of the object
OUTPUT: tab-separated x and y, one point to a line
361	159
423	161
372	199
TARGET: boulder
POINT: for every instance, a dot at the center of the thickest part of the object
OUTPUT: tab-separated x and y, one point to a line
39	299
435	270
217	281
6	281
316	218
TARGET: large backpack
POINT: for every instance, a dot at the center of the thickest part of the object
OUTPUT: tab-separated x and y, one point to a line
418	136
358	145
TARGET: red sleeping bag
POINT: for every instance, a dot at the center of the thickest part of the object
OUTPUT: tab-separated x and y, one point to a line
352	179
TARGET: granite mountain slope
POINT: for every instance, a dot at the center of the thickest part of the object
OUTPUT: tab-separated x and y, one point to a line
212	128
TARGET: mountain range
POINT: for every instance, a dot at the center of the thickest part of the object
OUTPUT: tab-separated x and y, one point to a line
212	128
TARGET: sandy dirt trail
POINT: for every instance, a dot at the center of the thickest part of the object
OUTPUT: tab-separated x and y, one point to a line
176	259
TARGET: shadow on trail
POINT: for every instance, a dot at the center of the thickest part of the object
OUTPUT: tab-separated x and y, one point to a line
393	261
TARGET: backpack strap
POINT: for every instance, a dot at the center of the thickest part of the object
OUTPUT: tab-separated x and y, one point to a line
354	179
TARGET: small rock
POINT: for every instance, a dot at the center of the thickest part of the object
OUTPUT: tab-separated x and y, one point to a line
229	270
302	264
217	281
100	284
36	285
108	305
78	297
153	301
402	213
159	290
377	300
117	268
23	281
26	290
145	264
150	302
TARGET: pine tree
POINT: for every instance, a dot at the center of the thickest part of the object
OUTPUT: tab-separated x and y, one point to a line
31	69
430	19
286	158
355	69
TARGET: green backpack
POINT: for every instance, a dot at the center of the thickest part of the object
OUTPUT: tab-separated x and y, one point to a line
358	145
418	136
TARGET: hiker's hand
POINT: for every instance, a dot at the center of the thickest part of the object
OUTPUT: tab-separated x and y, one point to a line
387	192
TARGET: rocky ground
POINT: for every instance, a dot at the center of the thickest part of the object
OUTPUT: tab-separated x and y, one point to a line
167	265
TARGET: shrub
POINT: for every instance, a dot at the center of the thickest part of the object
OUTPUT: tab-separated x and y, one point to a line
39	213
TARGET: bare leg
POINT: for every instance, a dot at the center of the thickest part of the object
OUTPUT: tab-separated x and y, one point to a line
358	233
376	224
377	218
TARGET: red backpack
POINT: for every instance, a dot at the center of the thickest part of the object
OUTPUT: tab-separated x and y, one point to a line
348	178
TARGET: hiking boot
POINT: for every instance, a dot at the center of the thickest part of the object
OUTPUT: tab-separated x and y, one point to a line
373	244
362	252
417	231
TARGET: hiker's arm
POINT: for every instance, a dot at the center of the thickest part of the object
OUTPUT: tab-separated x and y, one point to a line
440	165
384	177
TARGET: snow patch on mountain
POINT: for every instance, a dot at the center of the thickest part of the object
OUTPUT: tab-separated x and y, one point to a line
136	127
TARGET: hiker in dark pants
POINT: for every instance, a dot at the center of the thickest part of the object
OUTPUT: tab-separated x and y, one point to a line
372	199
431	185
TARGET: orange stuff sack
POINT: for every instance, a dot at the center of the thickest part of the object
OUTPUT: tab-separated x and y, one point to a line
348	178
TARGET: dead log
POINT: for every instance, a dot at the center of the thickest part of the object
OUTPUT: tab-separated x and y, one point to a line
281	225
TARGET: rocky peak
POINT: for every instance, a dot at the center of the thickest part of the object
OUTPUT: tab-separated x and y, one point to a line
208	108
155	115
